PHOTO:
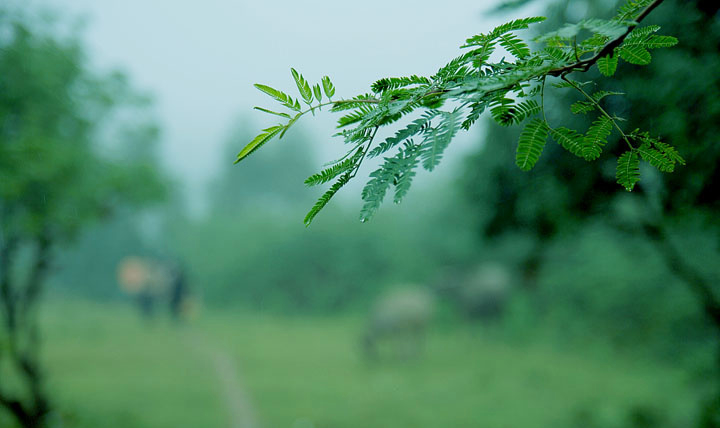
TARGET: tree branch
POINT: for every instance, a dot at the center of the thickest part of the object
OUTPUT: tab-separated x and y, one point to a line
581	65
35	280
584	65
17	306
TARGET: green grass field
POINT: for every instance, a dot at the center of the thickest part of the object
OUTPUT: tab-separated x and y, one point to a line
107	368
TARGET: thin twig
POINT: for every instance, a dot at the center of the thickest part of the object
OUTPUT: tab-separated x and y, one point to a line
602	110
585	65
367	148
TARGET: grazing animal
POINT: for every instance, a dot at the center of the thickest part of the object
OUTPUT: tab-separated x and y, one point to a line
398	323
485	292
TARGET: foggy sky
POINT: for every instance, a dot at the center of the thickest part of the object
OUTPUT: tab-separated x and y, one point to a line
200	58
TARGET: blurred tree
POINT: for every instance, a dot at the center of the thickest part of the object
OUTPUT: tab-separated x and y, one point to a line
678	97
54	182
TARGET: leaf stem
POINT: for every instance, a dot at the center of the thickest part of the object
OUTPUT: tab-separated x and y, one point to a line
368	101
542	101
602	110
367	148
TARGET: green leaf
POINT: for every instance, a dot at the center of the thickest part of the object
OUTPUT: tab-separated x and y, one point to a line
635	55
655	42
328	87
506	113
415	127
437	139
518	24
582	107
356	102
608	28
303	86
397	170
376	188
280	96
592	44
514	45
525	109
482	54
355	116
258	141
561	55
285	115
642	32
656	158
661	155
631	8
607	65
405	171
326	197
531	144
500	110
650	41
599	95
318	93
569	139
330	173
596	138
476	109
669	152
390	83
374	192
628	170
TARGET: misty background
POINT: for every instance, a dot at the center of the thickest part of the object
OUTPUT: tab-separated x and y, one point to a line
147	281
199	61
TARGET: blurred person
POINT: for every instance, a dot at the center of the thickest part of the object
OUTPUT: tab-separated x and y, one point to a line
181	304
144	279
132	274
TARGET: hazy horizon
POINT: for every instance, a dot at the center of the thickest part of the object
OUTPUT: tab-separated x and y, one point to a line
199	62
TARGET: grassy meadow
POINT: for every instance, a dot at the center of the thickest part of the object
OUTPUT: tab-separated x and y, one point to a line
107	367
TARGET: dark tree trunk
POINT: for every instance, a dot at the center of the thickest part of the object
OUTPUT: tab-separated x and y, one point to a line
7	295
22	332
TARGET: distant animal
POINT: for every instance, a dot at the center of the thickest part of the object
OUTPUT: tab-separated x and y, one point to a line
398	323
485	291
480	293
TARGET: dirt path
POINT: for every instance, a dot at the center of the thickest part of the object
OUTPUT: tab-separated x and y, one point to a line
237	402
